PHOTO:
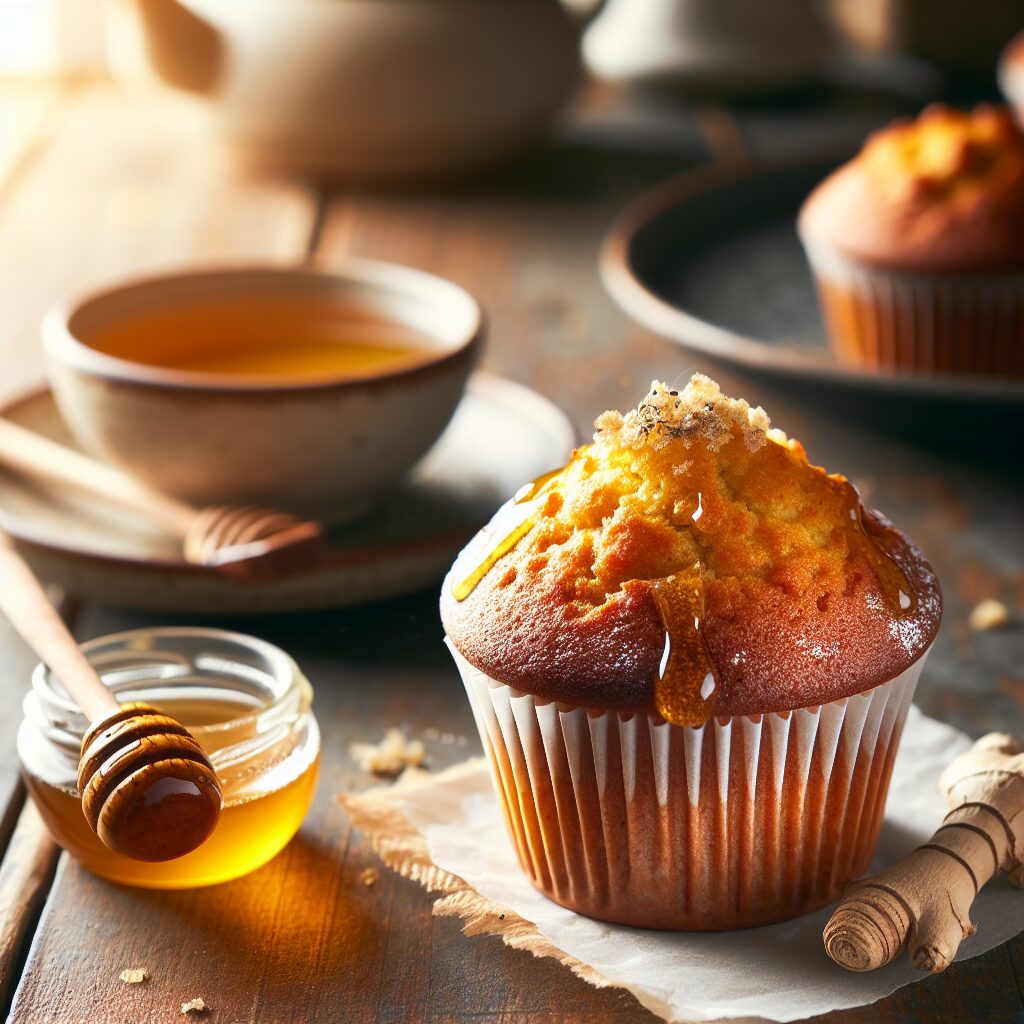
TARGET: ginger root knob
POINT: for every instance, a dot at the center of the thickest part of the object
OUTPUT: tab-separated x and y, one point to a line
923	903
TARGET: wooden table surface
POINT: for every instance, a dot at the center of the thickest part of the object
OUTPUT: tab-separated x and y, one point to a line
91	188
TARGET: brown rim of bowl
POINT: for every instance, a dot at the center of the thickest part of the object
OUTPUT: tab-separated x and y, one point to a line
63	347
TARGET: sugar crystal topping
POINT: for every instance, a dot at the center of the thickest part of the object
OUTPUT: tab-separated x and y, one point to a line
698	412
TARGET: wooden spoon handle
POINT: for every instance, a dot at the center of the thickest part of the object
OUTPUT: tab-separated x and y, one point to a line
28	452
26	605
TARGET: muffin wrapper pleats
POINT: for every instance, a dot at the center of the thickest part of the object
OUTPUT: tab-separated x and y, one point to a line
743	821
881	319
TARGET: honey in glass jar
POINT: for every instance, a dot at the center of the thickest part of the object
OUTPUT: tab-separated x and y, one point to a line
245	701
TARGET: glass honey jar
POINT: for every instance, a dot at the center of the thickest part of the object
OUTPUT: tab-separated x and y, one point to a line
245	701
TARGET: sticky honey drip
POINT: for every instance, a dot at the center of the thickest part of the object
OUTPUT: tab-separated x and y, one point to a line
866	539
534	489
460	591
684	692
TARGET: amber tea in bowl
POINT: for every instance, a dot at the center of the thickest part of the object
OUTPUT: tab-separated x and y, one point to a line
271	338
308	389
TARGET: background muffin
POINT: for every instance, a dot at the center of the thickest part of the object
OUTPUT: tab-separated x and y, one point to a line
638	654
915	245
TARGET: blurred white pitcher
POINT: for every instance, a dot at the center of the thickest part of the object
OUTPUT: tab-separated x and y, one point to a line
707	45
361	89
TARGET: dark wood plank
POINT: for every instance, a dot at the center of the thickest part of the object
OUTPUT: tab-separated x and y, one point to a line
25	874
29	856
982	989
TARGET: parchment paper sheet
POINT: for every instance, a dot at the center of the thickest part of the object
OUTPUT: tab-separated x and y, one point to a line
446	832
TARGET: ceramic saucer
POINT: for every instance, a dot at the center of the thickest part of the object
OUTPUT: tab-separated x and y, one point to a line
501	436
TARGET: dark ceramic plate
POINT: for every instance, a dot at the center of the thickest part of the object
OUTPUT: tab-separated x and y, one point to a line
711	260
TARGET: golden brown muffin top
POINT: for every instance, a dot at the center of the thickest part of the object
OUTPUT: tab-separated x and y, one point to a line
942	193
691	562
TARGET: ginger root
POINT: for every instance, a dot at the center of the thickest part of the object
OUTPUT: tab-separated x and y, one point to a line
924	902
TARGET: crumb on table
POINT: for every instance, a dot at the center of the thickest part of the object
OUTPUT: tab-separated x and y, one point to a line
988	614
134	975
389	757
369	877
196	1005
448	738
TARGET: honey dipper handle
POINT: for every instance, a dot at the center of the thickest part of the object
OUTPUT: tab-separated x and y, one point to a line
33	455
26	605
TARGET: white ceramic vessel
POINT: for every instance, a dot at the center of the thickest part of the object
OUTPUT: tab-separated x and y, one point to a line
362	89
328	448
707	45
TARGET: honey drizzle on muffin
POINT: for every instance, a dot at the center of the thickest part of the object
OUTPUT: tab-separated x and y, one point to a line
684	693
534	489
460	591
897	591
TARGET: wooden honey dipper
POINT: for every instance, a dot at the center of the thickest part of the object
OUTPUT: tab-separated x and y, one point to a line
248	540
148	789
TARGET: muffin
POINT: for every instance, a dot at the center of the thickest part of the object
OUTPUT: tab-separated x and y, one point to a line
690	655
915	245
1011	75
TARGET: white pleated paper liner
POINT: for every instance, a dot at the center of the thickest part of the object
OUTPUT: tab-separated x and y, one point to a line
744	821
445	830
893	320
